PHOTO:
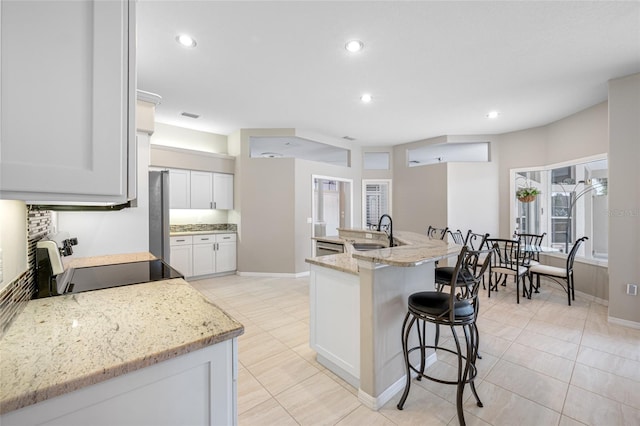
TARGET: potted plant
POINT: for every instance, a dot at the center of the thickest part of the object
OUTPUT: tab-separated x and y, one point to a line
528	194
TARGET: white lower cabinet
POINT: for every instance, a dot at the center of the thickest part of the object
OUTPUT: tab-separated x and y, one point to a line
204	254
198	388
181	257
208	254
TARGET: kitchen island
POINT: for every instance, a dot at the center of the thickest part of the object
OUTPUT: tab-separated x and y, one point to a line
150	353
358	301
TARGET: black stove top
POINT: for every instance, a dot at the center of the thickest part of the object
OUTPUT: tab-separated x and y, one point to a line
121	274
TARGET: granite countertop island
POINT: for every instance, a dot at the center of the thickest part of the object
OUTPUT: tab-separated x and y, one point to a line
413	249
61	344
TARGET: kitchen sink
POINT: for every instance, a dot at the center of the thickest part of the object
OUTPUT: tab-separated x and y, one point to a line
368	246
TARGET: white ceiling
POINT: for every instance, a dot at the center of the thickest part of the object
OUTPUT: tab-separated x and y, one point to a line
433	68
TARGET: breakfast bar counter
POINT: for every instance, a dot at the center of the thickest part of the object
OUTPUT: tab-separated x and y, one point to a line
60	346
358	301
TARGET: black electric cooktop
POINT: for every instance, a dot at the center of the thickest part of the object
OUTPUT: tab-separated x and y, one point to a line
107	276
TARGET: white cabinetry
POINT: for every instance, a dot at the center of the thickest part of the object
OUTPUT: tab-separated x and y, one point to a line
196	388
192	189
179	189
207	254
222	191
68	101
226	252
201	190
214	254
204	254
182	254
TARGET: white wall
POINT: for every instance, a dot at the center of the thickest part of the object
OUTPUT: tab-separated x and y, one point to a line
113	232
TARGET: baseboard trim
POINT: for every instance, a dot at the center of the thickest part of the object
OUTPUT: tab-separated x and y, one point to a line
375	403
591	298
624	322
273	274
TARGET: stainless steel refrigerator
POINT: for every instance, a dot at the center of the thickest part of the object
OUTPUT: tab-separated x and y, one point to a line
159	215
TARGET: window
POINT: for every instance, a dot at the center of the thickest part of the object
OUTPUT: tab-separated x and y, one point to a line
573	203
376	201
376	161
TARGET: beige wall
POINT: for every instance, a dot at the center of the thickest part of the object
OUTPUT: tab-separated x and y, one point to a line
180	137
179	158
274	202
458	195
624	196
580	135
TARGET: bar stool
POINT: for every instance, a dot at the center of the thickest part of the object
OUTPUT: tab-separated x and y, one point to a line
457	309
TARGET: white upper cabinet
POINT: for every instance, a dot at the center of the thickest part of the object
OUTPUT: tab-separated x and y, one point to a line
201	190
222	191
68	100
179	189
191	189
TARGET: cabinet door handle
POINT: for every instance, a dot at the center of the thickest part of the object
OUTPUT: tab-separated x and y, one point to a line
210	204
180	241
204	239
226	238
214	204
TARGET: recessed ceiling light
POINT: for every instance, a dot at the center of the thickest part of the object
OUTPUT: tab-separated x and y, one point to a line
354	46
366	98
186	41
493	114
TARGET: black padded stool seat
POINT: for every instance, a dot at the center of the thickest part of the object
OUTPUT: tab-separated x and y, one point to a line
445	273
436	303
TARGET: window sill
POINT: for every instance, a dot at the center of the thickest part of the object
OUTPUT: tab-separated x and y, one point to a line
596	262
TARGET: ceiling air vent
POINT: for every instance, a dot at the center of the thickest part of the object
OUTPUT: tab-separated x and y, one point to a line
190	115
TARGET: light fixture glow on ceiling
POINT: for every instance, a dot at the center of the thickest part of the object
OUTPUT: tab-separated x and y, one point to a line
366	98
493	114
354	46
186	41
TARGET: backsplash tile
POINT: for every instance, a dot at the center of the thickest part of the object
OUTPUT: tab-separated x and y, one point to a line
16	294
232	227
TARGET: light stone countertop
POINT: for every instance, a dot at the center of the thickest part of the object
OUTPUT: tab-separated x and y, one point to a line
414	250
342	262
64	343
183	233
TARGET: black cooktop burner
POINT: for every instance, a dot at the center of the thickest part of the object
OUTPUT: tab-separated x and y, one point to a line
107	276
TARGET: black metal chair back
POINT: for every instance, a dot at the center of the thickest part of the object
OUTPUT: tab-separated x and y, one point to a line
437	233
531	240
477	241
457	237
508	261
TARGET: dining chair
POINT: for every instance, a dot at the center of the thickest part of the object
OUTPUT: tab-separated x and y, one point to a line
508	261
531	240
562	276
457	237
437	233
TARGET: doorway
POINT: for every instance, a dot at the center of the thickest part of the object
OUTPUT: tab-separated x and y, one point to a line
331	205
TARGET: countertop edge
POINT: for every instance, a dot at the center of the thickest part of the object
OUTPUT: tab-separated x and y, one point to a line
43	394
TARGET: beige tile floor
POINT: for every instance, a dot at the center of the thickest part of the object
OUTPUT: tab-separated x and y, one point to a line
544	363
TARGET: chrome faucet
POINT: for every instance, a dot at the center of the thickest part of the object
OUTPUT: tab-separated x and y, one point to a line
389	228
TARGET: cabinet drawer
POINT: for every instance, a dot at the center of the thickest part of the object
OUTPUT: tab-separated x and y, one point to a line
222	238
204	239
182	240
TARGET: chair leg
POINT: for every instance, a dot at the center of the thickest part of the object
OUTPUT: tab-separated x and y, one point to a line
405	350
422	340
461	375
517	289
472	353
573	287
